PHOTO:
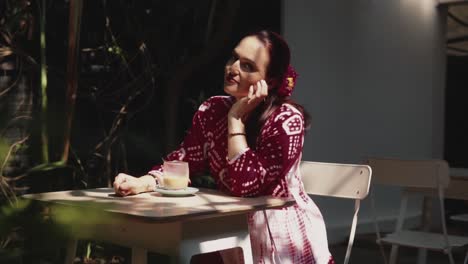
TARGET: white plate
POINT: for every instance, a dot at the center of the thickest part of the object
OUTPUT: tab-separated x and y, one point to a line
182	192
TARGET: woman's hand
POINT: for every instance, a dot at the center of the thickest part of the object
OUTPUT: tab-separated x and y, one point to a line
125	184
245	105
237	115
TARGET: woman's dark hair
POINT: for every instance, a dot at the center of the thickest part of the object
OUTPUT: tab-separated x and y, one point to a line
280	57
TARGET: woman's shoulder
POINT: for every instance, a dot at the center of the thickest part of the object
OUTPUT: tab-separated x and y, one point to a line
288	117
216	102
287	110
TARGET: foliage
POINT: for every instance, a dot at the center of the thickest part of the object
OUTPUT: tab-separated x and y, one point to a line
30	233
3	151
15	24
141	70
22	231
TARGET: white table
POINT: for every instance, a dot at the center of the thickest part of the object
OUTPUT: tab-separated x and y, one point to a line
176	226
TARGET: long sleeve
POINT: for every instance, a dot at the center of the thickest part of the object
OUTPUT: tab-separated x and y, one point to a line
192	149
264	170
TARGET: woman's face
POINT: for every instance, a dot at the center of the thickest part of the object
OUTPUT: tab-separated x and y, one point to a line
246	67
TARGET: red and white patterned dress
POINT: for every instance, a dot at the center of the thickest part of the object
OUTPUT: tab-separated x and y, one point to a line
298	232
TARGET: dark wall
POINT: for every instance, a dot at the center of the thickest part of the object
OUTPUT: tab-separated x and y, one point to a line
183	64
456	112
144	67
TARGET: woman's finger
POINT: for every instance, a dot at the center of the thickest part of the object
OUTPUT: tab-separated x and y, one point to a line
119	179
264	88
120	192
126	186
258	92
123	192
251	91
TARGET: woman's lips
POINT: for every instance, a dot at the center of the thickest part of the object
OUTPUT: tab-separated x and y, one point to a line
230	80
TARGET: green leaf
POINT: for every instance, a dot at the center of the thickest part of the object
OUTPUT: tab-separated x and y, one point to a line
17	207
48	166
3	151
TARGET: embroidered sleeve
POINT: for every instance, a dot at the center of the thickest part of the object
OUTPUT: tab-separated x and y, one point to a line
193	148
264	170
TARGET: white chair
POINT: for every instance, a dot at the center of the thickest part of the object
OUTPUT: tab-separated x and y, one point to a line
461	218
347	181
415	176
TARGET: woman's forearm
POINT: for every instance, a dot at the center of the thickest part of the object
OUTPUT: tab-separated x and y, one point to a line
237	141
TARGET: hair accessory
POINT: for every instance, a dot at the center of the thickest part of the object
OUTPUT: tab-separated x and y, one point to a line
289	81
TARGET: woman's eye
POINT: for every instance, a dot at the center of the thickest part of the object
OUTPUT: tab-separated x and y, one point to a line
232	59
247	67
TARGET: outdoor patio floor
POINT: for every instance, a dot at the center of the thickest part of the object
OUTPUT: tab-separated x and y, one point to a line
365	250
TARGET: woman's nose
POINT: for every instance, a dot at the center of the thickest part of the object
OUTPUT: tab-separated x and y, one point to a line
235	66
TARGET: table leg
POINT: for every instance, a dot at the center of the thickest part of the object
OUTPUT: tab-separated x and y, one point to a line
394	254
181	240
71	251
231	256
422	256
215	234
139	255
247	251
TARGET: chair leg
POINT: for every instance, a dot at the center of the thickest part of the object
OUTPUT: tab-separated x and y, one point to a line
450	257
71	251
383	253
466	258
139	255
422	256
394	254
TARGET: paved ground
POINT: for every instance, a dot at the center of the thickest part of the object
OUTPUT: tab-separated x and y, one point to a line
365	250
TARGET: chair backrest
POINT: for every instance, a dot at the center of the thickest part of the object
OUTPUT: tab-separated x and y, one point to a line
410	173
350	181
415	176
335	179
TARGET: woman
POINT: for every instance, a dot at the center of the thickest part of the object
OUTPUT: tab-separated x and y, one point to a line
251	143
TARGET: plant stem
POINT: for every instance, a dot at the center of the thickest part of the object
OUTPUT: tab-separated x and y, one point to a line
74	26
44	137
